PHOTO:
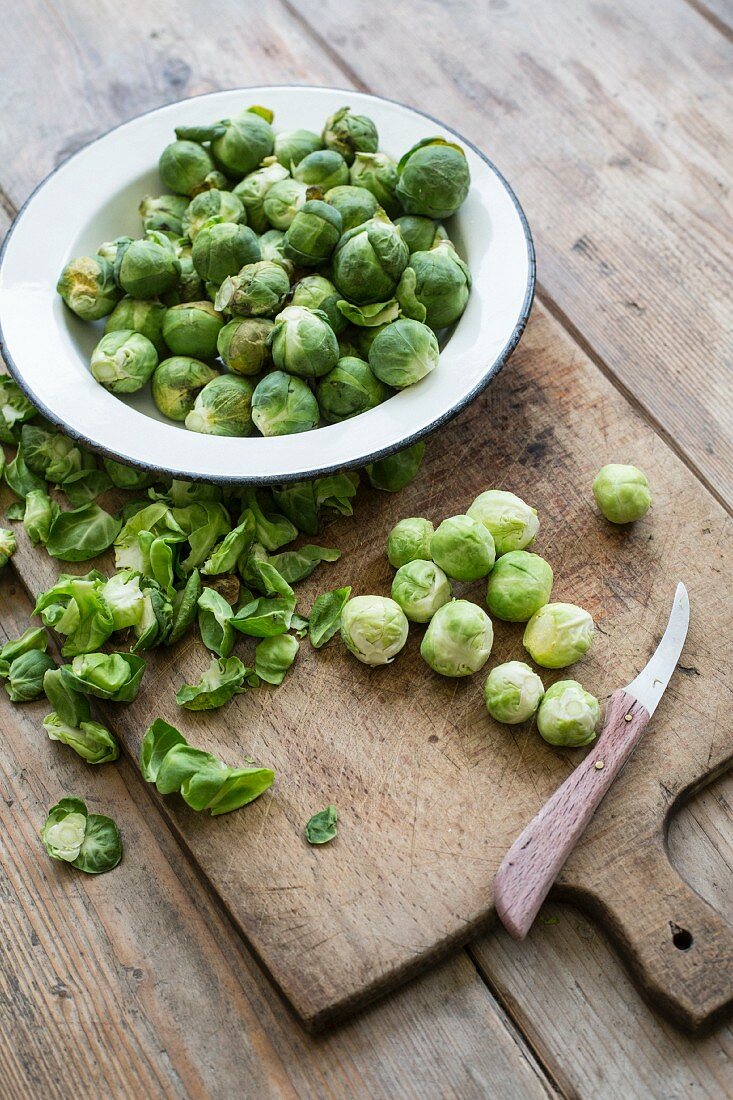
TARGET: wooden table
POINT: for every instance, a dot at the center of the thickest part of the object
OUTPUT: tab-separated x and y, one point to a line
613	124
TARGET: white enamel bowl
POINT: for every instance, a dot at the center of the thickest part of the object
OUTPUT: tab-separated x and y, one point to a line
93	197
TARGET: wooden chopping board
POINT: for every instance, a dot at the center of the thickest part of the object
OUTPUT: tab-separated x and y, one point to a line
430	791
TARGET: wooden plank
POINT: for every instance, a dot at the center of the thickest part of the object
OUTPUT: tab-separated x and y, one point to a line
719	12
133	984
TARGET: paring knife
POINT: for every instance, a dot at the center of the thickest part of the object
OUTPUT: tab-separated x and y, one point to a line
536	857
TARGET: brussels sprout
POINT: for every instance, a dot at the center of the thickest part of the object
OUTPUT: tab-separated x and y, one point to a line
321	828
15	410
369	260
251	192
90	842
244	345
356	205
139	315
392	473
283	405
364	337
110	250
622	493
87	286
221	681
217	206
223	407
318	292
163	212
272	247
54	456
292	145
349	343
458	640
259	290
303	343
282	202
222	249
409	540
123	361
349	389
349	134
245	143
558	635
421	234
513	692
403	353
8	545
420	587
512	523
374	629
568	715
176	384
376	172
37	516
34	637
113	676
463	548
25	675
520	584
324	168
313	234
190	286
433	178
434	288
185	166
192	328
148	267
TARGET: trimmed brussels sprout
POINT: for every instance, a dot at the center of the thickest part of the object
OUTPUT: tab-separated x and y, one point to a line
393	472
313	234
283	405
349	389
176	384
356	205
272	247
435	286
463	548
420	587
512	523
87	286
139	315
185	167
349	134
292	145
222	249
259	290
558	635
409	540
374	629
512	692
403	353
282	202
113	676
318	292
147	268
221	681
421	234
251	192
324	168
622	493
123	361
223	407
245	143
568	715
244	345
303	343
8	545
90	842
164	213
458	640
219	206
519	584
369	260
25	675
377	172
433	178
37	516
192	328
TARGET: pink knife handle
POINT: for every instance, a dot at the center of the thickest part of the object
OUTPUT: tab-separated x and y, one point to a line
534	860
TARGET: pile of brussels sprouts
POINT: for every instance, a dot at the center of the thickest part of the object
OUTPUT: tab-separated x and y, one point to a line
288	279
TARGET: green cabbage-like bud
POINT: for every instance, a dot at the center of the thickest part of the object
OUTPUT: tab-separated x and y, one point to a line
349	389
193	328
283	405
253	189
213	205
244	345
8	545
622	493
421	234
404	352
123	361
245	143
394	471
176	384
376	172
409	540
513	692
356	205
185	166
223	407
303	343
313	234
349	134
291	146
190	286
374	629
512	523
420	587
433	178
88	287
25	675
259	290
558	635
458	639
222	249
163	212
568	715
463	548
147	268
282	202
369	260
316	292
519	584
324	168
272	247
139	315
434	288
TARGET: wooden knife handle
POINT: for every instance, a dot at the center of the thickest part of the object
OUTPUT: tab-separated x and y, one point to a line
534	860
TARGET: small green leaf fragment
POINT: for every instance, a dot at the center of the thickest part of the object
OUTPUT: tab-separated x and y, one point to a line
322	826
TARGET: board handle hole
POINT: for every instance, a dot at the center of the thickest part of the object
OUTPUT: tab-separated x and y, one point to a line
681	938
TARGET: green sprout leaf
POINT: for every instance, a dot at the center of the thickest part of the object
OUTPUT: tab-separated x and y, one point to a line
322	826
274	656
325	618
